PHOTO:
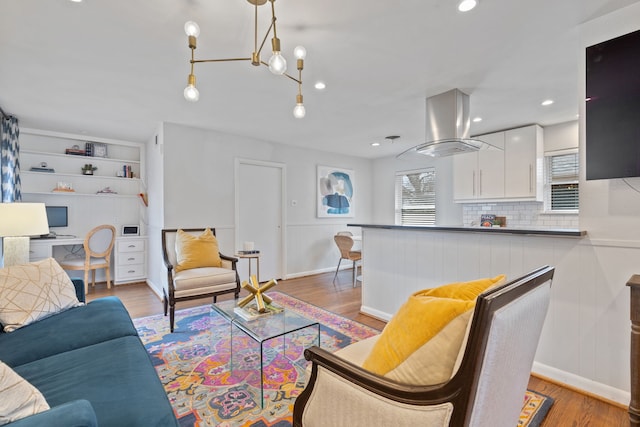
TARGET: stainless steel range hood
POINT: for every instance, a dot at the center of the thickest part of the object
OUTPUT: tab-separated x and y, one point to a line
448	123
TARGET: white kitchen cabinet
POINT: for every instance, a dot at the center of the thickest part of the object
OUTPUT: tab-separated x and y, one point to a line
524	163
480	175
130	259
511	169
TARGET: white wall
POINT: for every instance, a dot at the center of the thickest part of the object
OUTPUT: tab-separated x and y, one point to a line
191	180
609	209
154	215
448	213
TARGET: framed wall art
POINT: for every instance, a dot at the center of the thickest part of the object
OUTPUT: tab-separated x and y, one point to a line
335	192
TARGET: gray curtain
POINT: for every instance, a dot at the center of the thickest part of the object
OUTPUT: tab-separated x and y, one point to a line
10	160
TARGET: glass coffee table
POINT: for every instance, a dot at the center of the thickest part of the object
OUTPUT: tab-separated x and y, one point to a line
264	329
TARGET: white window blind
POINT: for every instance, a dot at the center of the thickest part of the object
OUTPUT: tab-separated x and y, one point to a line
416	197
562	182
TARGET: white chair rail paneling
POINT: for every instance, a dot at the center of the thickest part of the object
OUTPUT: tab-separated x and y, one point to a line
586	331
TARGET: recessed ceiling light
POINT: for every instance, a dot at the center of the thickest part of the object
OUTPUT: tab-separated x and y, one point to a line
320	85
547	102
477	119
77	1
375	144
467	5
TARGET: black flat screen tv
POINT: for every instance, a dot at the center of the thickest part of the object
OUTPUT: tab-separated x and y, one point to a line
613	108
57	216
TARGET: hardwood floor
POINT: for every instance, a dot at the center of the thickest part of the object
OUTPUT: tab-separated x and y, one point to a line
571	408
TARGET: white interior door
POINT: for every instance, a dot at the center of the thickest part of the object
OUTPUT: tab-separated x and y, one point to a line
259	215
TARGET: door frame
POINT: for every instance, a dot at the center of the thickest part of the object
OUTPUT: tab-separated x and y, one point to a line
283	204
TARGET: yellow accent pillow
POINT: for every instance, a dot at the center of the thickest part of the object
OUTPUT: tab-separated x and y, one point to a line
421	342
197	251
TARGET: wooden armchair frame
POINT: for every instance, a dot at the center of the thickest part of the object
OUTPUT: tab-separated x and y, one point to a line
462	389
169	300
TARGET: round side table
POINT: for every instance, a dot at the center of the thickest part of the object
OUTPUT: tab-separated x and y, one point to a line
250	257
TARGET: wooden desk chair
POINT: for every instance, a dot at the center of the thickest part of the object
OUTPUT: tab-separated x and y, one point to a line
345	243
98	245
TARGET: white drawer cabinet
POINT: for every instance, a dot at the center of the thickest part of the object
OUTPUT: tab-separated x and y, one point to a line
130	259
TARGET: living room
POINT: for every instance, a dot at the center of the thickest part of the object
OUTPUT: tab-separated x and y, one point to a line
190	167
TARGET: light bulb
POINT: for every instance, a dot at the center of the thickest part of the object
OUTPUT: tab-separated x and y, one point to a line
192	29
300	52
277	63
299	111
467	5
191	93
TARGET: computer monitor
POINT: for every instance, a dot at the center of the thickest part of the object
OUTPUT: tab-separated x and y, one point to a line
57	216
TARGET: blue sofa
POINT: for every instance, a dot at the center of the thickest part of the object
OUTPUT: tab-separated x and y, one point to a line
91	367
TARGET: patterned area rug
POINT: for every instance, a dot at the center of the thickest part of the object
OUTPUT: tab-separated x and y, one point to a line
194	365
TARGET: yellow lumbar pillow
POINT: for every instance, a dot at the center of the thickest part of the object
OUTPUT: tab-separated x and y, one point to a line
421	342
197	251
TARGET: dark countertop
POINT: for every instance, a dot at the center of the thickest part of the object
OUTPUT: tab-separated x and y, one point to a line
500	230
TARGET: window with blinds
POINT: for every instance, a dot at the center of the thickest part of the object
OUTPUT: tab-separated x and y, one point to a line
562	182
416	197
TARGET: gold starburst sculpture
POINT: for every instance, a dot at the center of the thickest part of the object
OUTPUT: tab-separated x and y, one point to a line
256	292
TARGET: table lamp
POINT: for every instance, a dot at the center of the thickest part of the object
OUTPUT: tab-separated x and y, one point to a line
17	222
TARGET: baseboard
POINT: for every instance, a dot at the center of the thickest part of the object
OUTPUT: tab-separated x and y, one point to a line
582	385
380	315
154	289
312	272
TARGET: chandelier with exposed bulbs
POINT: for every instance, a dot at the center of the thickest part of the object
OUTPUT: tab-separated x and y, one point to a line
277	64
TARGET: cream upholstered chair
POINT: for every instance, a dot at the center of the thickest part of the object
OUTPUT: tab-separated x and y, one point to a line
98	244
345	244
198	282
486	388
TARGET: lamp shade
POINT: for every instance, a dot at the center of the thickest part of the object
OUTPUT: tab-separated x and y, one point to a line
23	219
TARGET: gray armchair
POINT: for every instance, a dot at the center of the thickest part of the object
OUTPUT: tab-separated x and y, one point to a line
486	389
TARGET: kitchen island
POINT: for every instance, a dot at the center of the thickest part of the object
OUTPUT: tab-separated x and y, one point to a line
584	341
400	260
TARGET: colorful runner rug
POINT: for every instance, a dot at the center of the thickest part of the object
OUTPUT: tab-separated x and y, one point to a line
194	365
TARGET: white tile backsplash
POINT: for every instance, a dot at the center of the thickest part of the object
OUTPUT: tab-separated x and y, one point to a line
518	214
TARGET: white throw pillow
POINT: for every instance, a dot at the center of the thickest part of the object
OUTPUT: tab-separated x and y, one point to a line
30	292
18	398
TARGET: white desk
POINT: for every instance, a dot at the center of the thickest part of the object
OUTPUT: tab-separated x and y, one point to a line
43	248
129	255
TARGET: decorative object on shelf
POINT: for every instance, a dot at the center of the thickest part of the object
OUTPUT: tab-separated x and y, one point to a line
99	149
42	168
126	172
75	151
88	169
106	190
65	187
277	64
487	220
256	293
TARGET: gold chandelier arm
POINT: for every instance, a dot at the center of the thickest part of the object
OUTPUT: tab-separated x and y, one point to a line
267	34
273	18
299	81
193	61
